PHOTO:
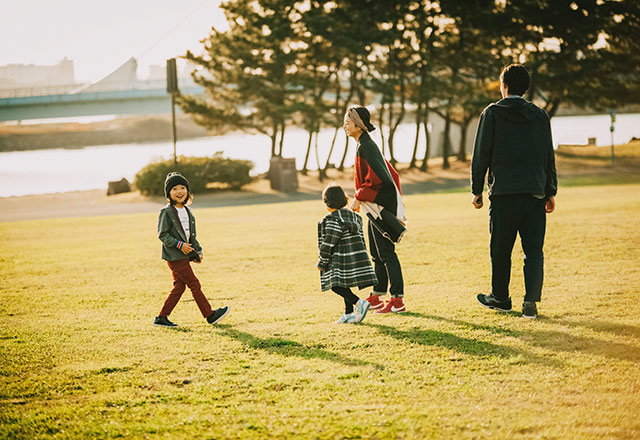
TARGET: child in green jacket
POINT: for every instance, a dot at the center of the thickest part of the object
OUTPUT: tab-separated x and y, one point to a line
177	231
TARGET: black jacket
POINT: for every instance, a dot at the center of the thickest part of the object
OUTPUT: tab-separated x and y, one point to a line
513	143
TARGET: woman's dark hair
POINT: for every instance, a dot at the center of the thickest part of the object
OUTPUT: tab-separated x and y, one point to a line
334	197
516	78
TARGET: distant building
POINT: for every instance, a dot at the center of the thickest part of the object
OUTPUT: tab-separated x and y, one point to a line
17	76
157	72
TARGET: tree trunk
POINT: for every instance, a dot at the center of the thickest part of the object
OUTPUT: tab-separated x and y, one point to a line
381	124
306	156
283	127
320	170
346	150
333	143
274	139
462	152
393	125
552	108
392	132
446	147
427	134
414	158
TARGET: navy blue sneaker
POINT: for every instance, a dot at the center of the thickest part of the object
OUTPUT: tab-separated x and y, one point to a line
218	314
491	302
163	321
529	310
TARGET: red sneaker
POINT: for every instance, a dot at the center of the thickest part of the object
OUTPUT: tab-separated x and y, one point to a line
394	305
375	302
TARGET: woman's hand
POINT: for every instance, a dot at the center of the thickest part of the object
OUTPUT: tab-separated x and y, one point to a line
355	205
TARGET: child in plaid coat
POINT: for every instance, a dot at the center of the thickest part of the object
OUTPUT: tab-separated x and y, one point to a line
343	259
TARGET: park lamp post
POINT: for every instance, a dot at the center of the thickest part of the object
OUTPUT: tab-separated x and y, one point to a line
172	89
612	113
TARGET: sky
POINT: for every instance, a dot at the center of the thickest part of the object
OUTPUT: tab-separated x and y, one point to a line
99	36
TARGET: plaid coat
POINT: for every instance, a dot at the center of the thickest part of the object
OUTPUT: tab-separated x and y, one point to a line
343	255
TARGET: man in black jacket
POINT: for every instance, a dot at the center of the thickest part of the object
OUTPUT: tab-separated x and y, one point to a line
513	143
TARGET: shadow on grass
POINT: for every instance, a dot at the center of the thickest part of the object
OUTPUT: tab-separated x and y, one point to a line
174	329
598	326
286	347
462	345
490	328
561	341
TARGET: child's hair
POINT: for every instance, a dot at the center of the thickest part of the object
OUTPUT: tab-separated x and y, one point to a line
334	196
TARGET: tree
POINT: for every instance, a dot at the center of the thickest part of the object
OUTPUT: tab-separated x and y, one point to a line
475	62
248	70
393	69
420	19
582	53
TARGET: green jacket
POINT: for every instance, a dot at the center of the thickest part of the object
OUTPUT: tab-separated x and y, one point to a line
513	143
172	235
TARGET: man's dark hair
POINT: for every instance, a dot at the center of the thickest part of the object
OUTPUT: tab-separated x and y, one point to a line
516	78
334	197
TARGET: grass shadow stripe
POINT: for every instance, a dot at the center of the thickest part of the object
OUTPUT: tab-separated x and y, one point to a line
559	341
468	346
287	347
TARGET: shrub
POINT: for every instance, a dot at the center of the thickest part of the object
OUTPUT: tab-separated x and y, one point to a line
199	171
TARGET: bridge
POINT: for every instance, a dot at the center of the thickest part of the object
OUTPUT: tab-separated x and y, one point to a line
119	93
141	97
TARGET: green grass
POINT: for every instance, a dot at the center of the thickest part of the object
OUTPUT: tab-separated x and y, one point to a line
79	357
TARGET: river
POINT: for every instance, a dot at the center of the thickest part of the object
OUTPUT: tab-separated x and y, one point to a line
62	170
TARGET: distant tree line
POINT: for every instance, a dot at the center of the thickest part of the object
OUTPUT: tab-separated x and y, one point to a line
286	63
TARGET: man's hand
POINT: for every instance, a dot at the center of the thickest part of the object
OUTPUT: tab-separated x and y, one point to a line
550	206
186	248
355	205
476	201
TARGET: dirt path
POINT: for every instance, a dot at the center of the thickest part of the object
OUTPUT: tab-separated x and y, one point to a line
97	203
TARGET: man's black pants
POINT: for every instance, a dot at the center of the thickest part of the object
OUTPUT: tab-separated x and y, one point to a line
385	264
510	215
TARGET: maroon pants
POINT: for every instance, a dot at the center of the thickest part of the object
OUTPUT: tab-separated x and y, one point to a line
183	276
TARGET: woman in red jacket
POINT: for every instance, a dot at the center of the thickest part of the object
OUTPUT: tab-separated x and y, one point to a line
377	188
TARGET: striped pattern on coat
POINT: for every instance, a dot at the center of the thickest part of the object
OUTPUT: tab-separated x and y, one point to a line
343	255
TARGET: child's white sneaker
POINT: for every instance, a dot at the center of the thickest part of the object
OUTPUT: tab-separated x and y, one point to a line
347	319
362	307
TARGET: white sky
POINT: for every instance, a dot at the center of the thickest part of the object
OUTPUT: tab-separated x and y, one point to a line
101	35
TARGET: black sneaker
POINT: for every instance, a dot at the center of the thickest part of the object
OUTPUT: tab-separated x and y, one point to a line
529	310
491	302
218	314
164	322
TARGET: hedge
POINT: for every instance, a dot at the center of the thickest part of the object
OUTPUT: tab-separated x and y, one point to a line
199	171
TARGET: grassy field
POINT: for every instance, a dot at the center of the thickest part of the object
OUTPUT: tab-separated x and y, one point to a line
79	357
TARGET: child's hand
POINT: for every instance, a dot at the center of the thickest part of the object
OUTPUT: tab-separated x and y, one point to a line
186	248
